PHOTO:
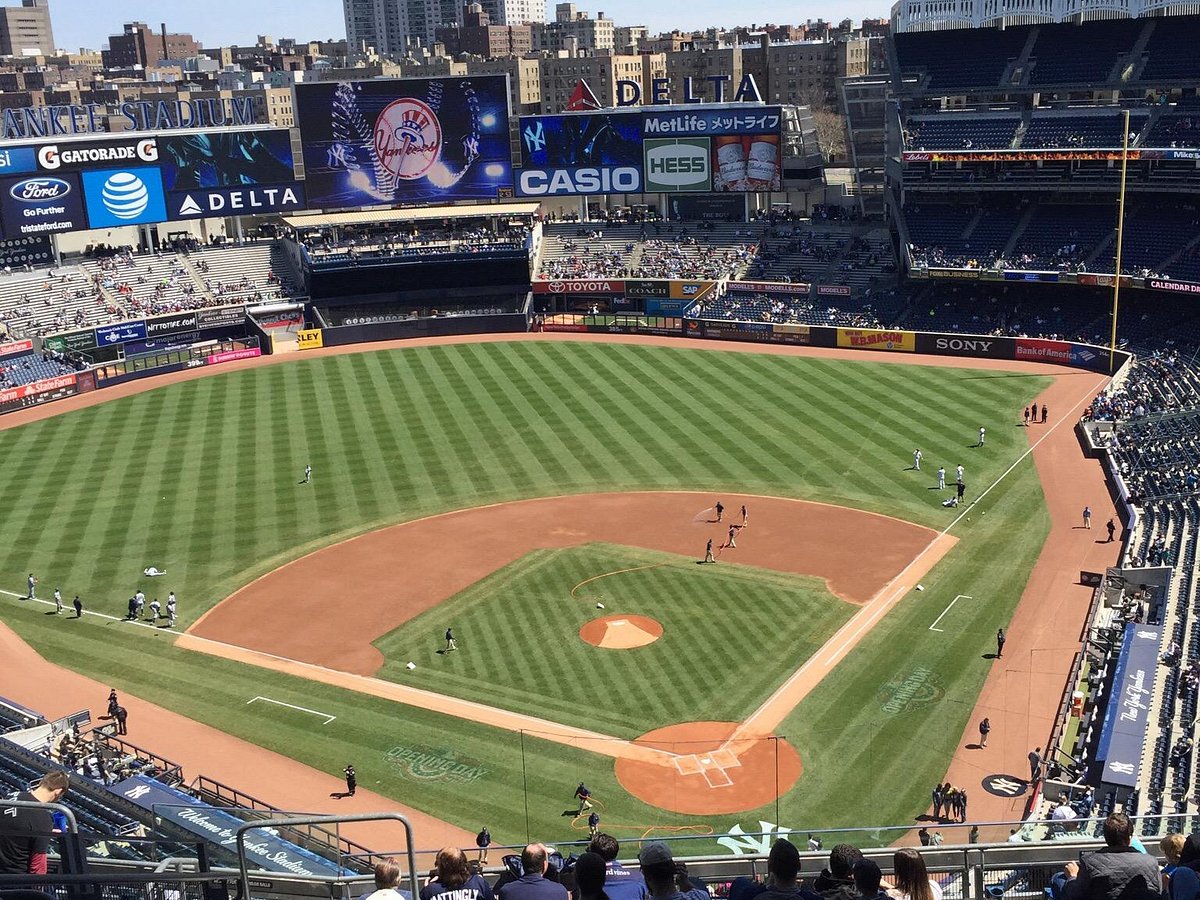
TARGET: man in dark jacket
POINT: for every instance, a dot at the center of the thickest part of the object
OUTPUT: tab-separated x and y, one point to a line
620	883
1116	872
837	882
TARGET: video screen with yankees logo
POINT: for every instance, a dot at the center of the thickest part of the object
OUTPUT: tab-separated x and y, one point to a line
405	140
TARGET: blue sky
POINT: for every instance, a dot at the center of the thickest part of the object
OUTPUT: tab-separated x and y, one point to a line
86	23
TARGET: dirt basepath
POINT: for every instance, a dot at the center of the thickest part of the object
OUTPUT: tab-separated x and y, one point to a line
396	573
202	750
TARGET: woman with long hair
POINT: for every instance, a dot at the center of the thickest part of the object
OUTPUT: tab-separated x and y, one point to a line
911	880
453	873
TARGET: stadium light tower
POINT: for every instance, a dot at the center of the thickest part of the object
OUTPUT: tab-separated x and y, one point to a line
1112	345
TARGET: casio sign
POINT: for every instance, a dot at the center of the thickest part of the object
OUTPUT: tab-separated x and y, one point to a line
38	190
616	180
964	345
677	164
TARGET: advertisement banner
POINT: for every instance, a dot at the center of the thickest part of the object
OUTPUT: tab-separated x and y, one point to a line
690	290
15	348
309	339
161	326
636	288
226	159
563	326
117	197
964	274
235	201
71	341
981	346
708	207
1050	155
264	850
82	156
405	140
658	307
876	339
1175	287
1085	357
1048	277
579	286
107	335
221	317
792	334
677	165
593	140
41	204
797	289
230	355
1039	350
723	120
833	290
18	160
37	392
1126	719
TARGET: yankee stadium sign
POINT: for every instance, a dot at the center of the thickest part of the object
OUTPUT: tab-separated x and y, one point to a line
135	115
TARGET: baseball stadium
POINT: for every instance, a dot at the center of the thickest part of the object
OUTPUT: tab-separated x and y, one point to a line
544	476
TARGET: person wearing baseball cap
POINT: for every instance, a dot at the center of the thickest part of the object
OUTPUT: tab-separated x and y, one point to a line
666	879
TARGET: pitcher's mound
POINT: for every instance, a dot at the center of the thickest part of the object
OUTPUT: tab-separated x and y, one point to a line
621	632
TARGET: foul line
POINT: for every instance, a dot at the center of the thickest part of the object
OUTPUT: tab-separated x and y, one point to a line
957	597
86	612
328	717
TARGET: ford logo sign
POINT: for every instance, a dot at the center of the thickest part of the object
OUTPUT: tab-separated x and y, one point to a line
37	190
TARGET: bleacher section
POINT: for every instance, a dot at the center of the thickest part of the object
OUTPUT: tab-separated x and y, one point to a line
1103	129
960	131
980	56
1171	50
1068	53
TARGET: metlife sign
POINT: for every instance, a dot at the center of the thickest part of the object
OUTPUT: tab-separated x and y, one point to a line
117	197
235	201
675	165
41	204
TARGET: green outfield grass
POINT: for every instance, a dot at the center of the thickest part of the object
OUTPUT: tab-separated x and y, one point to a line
200	479
525	652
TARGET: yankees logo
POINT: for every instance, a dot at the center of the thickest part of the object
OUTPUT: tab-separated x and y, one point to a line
408	138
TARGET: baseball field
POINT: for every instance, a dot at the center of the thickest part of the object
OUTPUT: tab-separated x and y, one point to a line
590	638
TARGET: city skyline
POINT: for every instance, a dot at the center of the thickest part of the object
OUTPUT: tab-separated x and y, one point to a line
225	22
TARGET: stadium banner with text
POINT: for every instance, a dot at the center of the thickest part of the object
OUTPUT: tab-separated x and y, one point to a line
30	250
647	289
1041	350
1126	719
176	323
956	274
226	159
833	290
233	355
690	290
591	286
15	348
792	289
41	204
107	335
877	339
220	317
70	341
1174	287
981	346
249	200
659	307
1047	155
762	332
309	339
38	392
412	140
706	150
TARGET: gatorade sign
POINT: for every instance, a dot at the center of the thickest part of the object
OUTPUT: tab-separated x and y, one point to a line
677	165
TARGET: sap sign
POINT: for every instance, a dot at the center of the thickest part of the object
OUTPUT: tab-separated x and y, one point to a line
629	93
124	197
677	164
599	180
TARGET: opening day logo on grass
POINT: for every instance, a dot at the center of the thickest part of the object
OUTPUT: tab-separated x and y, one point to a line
428	764
919	687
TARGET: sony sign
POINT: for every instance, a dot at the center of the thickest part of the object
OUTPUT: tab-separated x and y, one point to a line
965	346
592	180
629	93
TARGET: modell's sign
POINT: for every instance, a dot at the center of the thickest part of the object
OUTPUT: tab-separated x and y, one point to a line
581	286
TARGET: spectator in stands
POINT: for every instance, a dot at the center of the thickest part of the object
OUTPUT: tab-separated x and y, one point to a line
387	882
666	880
620	883
453	874
911	881
1184	882
783	870
533	884
25	832
1115	872
837	881
1171	847
590	877
868	880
